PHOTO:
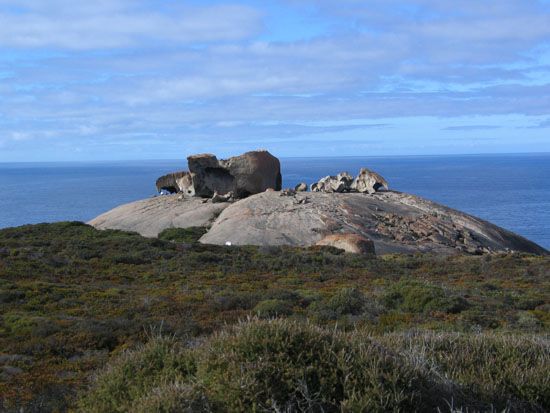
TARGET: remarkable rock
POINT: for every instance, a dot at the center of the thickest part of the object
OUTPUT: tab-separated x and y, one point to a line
177	182
244	175
352	243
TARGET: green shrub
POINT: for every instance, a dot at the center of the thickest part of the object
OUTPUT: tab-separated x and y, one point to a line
172	398
273	308
502	371
135	374
265	365
183	235
418	297
347	301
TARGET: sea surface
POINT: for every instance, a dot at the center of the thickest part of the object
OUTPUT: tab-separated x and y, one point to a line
512	191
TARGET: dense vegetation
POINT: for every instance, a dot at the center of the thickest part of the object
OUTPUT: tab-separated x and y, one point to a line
161	316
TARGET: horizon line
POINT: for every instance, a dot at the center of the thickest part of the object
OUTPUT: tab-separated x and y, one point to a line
286	157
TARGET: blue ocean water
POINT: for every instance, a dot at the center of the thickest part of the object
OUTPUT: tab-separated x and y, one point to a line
512	191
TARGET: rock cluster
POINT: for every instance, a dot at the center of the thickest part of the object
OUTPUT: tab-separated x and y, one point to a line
366	182
224	180
240	201
252	173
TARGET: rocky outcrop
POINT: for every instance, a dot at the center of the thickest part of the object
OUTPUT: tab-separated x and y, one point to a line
351	243
177	182
368	182
329	184
151	216
394	221
245	191
244	175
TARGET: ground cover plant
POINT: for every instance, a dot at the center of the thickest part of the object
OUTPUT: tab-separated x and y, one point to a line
74	300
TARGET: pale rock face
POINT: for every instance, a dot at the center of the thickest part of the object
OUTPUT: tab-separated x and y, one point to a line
151	216
395	222
368	182
301	187
245	175
351	243
340	183
176	182
185	185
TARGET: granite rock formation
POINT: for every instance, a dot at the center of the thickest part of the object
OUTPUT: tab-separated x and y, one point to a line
177	182
151	216
241	202
396	223
301	187
245	175
368	182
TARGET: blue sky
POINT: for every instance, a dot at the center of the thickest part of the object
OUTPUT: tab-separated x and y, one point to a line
154	79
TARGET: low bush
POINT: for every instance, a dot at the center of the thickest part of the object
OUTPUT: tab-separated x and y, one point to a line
282	365
273	308
507	372
183	235
265	365
418	297
136	374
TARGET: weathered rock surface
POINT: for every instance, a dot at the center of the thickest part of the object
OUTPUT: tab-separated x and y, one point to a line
395	222
177	182
368	182
151	216
353	243
244	175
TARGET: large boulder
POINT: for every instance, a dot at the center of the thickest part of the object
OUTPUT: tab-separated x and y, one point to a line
177	182
368	182
245	175
352	243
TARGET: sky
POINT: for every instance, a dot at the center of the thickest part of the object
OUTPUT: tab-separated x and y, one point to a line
162	79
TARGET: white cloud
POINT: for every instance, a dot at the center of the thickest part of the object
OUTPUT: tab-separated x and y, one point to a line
155	73
87	25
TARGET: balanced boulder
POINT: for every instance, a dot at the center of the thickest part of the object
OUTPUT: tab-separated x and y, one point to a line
245	175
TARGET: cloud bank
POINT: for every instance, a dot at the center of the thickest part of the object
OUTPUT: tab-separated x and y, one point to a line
114	79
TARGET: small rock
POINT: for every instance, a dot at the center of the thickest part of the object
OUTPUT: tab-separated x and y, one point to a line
288	192
301	187
217	198
352	243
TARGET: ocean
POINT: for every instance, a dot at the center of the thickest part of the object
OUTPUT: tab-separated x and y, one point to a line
512	191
